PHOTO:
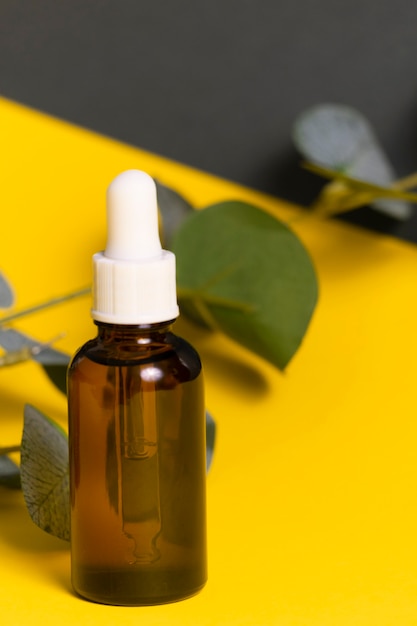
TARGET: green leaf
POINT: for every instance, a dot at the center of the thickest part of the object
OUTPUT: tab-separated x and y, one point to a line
244	272
174	209
9	473
20	348
44	473
339	137
57	374
6	293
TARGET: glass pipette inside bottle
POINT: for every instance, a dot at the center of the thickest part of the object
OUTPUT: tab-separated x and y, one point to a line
139	463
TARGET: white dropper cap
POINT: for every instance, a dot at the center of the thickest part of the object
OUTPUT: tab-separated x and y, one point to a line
134	279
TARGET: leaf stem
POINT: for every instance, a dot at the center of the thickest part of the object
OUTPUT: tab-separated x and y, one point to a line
409	182
45	305
377	191
9	450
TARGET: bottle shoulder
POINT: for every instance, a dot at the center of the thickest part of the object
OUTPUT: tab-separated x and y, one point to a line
167	353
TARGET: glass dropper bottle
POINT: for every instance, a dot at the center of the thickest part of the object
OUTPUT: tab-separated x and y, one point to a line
136	422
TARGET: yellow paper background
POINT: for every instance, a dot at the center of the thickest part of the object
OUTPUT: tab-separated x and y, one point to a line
313	491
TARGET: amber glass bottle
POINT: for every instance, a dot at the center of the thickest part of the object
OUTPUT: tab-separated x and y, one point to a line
137	467
137	439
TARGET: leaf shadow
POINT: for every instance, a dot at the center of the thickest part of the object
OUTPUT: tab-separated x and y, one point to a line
18	530
11	402
225	362
240	377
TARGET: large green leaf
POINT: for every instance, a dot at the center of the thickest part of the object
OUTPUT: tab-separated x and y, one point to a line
44	473
246	273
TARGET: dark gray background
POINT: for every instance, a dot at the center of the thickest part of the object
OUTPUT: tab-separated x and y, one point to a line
218	84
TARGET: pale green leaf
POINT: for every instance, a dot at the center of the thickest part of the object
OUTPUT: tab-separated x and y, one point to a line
44	473
9	473
6	293
340	138
246	273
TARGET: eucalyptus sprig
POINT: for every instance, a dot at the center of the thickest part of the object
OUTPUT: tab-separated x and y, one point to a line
346	193
339	143
18	348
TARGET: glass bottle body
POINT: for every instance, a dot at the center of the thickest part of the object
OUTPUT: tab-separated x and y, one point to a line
137	467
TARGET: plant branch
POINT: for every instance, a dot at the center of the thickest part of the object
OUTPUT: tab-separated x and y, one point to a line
45	305
9	450
378	191
409	182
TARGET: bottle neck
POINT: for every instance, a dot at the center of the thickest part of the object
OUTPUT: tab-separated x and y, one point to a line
140	332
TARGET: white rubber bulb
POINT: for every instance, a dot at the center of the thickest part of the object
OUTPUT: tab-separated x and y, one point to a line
132	218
